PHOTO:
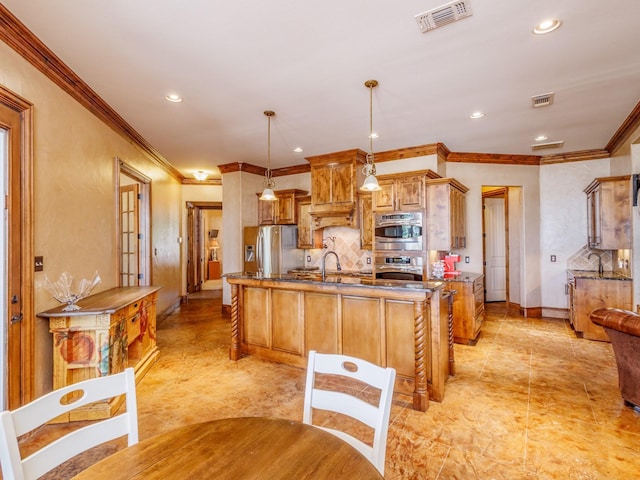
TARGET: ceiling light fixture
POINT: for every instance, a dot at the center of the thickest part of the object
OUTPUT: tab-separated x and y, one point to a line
200	175
541	138
269	183
298	150
369	170
546	26
172	97
475	115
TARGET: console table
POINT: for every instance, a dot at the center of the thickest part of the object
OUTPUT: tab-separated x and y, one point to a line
112	330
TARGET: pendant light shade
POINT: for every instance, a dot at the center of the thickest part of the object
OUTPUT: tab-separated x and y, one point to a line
268	183
369	170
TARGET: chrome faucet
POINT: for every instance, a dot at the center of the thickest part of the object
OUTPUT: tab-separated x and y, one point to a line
600	268
324	259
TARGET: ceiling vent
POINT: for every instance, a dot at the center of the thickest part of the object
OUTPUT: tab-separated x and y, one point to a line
543	146
443	15
543	100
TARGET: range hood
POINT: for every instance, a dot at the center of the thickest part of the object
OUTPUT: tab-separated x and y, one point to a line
334	185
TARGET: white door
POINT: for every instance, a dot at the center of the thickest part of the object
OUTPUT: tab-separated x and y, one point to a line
495	250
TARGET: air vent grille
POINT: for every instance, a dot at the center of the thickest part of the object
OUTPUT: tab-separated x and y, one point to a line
443	15
544	146
543	100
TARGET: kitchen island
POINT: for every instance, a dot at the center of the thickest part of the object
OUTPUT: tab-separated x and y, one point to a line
392	323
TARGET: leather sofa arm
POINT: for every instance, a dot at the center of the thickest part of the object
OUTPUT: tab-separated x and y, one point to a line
617	319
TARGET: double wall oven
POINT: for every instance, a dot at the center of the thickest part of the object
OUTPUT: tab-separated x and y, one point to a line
398	238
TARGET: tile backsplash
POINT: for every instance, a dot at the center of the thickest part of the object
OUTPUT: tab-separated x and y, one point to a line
612	260
346	243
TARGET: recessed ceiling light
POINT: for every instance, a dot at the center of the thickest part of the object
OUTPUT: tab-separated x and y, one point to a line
200	175
374	135
546	26
475	115
298	150
540	138
172	97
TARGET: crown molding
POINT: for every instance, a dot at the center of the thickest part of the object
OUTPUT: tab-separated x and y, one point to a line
631	124
497	158
17	36
593	154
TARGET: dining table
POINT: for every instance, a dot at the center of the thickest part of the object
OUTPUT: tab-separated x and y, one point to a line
237	448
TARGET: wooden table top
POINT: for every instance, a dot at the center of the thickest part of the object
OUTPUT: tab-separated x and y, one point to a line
237	448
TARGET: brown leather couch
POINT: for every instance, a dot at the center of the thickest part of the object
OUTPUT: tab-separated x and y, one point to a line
623	328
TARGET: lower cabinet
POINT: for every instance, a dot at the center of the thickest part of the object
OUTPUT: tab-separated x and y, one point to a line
468	309
588	294
406	329
111	331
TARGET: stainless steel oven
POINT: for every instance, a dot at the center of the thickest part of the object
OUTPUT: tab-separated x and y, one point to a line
401	267
398	231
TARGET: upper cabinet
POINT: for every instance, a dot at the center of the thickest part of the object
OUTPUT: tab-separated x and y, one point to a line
446	217
609	213
403	191
308	236
334	183
282	211
365	216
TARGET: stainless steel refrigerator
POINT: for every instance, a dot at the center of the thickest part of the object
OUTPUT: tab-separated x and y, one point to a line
272	249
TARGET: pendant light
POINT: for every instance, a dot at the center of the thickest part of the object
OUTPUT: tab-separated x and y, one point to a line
369	170
269	183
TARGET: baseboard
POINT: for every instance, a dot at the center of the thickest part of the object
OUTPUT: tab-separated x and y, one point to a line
172	308
562	313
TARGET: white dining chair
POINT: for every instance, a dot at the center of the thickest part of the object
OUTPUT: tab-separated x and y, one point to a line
374	416
25	419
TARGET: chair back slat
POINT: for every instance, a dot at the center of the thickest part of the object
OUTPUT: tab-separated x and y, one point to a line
28	417
374	416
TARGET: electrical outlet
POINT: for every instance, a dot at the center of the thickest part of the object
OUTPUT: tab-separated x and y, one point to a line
308	258
368	260
553	258
467	259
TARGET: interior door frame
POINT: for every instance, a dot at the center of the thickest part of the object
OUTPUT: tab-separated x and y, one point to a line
195	245
497	192
144	219
22	241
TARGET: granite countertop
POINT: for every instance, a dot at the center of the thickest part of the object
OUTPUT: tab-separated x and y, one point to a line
340	278
593	274
466	277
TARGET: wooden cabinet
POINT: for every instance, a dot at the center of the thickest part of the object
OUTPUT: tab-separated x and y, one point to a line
405	328
400	192
334	180
468	309
281	211
113	330
587	294
609	213
365	217
446	214
214	270
308	235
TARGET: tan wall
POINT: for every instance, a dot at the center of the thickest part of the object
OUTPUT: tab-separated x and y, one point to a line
74	210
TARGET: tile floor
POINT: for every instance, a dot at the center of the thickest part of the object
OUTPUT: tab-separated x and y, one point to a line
528	401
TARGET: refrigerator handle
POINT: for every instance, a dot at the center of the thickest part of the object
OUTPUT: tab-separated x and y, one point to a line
259	247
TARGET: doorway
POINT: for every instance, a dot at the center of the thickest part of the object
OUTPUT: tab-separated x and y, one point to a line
133	226
198	241
16	242
495	225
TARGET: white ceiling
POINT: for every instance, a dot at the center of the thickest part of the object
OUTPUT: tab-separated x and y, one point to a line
308	62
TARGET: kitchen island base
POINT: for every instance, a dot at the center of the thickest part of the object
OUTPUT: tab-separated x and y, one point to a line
385	322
